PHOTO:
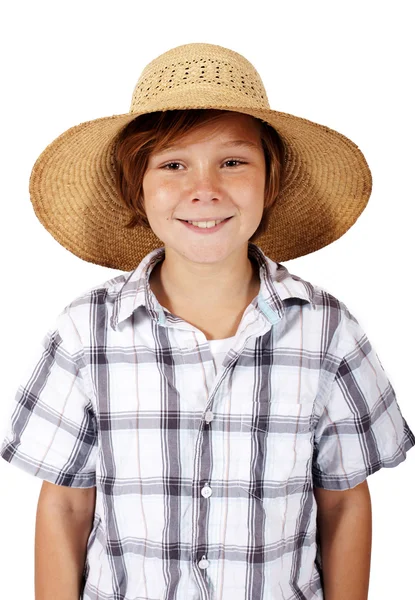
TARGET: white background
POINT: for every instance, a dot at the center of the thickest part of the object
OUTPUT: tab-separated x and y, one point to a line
347	65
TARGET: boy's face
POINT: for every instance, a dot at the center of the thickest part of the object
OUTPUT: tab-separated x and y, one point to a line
199	179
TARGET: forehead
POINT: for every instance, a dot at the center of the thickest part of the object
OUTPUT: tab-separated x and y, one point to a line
230	129
237	118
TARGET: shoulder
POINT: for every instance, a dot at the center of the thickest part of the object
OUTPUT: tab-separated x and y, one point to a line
345	333
325	303
76	318
332	318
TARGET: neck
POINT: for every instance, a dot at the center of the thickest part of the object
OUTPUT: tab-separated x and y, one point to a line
208	288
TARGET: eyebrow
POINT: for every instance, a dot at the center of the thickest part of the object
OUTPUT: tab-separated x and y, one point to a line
240	143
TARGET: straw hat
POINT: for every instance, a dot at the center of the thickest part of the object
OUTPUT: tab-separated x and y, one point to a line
326	183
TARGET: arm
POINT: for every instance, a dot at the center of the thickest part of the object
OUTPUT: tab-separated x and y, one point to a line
63	523
344	523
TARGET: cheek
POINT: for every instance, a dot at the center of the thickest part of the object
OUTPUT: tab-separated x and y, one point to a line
253	185
251	196
150	188
157	196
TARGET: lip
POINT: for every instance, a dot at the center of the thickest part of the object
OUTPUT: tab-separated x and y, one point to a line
205	219
205	230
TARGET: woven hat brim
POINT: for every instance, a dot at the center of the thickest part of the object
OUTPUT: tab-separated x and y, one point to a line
326	186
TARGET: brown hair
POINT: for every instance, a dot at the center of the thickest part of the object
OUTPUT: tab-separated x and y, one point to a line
153	131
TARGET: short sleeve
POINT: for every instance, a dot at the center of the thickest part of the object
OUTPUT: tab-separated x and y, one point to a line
52	432
359	427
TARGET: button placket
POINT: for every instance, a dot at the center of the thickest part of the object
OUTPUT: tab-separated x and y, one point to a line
206	491
208	416
203	563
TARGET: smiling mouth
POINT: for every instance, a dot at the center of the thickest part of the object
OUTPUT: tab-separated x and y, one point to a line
205	220
209	226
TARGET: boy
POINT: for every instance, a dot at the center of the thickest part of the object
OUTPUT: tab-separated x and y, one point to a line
205	422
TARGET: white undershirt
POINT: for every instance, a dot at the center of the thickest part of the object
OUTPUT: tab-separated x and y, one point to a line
220	348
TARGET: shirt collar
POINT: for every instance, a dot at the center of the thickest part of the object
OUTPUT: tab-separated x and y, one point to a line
277	285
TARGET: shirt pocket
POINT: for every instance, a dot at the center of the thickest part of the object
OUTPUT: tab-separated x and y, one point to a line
276	449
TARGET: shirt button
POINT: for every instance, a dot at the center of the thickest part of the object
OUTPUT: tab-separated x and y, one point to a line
206	491
203	563
209	416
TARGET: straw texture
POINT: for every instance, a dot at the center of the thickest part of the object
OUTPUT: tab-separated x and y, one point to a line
326	183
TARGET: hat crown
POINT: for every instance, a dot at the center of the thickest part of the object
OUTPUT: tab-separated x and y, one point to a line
199	76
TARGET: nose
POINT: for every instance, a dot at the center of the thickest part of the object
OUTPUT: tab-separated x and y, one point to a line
205	183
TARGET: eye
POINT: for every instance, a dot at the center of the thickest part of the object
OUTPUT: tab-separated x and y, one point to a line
171	165
168	165
235	160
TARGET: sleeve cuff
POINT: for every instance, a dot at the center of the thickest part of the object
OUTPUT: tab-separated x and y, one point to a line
46	471
346	482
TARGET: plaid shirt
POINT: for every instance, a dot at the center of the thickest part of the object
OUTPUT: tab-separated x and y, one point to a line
205	478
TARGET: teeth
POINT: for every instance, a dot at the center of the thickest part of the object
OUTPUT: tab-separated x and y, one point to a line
205	224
